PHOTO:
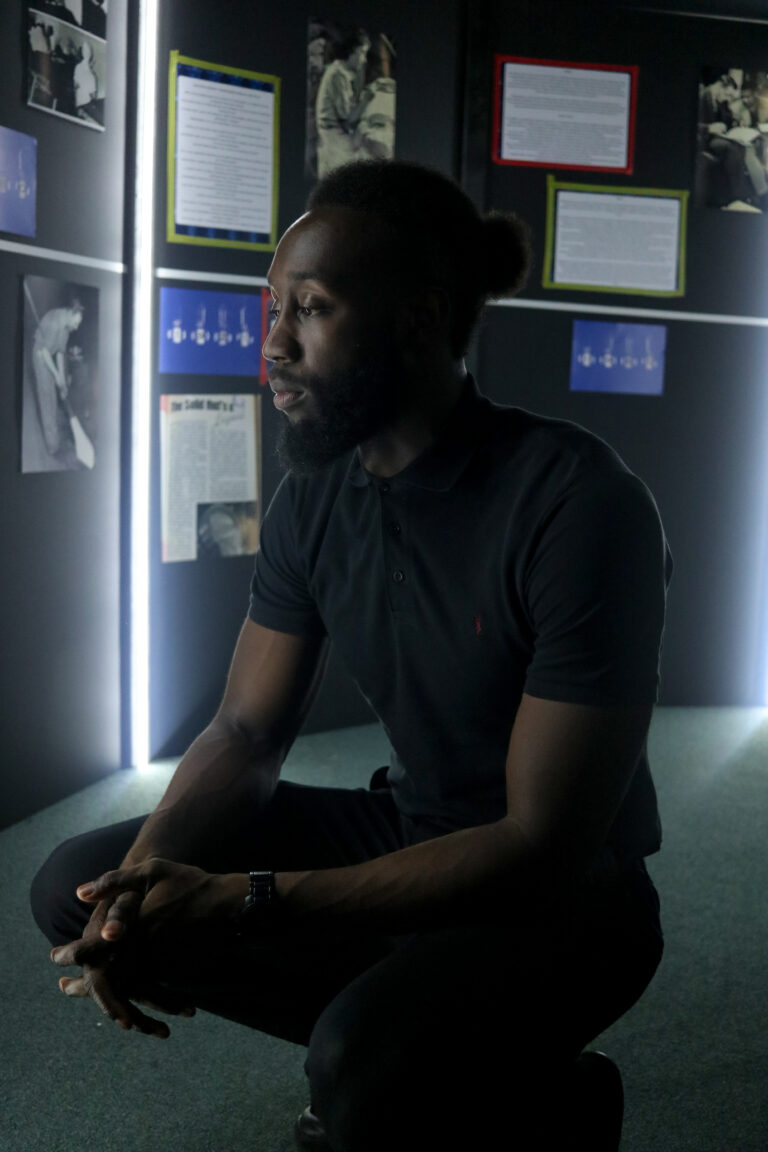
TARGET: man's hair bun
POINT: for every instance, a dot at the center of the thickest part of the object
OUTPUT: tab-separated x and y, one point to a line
506	247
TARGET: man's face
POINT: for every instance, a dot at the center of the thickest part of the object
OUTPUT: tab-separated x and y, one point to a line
337	372
359	54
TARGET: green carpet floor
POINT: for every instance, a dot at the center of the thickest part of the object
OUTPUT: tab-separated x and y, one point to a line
693	1052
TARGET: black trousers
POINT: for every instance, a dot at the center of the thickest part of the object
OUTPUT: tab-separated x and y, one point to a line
436	1039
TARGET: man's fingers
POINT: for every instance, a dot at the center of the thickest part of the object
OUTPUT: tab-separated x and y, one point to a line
122	913
73	986
81	952
95	984
147	1025
112	883
161	999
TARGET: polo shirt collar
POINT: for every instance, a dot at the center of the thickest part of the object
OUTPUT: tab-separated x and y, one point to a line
439	466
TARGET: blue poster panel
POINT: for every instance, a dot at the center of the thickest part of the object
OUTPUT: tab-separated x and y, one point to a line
18	182
210	333
626	358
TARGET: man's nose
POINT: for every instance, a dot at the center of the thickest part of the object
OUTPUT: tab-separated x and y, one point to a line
280	345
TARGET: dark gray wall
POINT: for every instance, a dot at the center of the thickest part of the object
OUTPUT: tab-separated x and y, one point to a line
197	609
60	573
701	446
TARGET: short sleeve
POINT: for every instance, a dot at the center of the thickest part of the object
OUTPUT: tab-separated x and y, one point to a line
595	593
280	598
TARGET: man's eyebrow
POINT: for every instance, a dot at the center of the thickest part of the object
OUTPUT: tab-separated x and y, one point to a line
307	276
300	276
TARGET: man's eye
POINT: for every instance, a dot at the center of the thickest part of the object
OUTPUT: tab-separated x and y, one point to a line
274	311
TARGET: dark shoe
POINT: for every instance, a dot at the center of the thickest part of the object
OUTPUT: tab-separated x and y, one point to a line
597	1102
310	1132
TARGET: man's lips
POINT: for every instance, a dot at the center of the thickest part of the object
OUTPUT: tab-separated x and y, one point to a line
286	393
284	398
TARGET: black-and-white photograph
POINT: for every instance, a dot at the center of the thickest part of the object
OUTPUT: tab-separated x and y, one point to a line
66	68
227	529
90	15
59	385
732	145
351	92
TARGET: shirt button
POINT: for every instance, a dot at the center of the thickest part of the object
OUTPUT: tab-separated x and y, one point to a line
384	487
398	576
395	528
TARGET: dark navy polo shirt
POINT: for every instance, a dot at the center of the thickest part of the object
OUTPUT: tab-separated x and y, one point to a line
517	554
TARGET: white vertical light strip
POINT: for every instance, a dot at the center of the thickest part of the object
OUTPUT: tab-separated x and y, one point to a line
142	381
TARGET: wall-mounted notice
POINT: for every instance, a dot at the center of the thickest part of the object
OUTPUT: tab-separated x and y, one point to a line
67	60
548	113
210	475
61	351
351	93
18	182
606	239
223	131
626	358
213	333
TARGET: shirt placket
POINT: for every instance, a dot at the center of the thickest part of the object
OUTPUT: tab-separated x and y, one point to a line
398	570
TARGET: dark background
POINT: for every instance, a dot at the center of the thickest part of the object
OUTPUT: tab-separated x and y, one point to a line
60	557
700	447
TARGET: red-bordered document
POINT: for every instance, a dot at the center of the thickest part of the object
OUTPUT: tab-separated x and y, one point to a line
557	114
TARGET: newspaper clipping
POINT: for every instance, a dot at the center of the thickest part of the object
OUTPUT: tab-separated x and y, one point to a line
210	465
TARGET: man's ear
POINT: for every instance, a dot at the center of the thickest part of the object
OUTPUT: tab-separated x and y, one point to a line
425	315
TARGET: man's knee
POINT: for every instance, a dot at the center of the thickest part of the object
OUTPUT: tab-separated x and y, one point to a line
58	913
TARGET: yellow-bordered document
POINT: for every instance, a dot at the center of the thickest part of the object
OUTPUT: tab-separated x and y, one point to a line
602	238
223	155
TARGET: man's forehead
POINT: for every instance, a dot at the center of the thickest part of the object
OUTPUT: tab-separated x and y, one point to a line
330	244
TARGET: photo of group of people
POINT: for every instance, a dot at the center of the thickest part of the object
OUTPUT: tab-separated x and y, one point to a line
732	145
67	57
351	90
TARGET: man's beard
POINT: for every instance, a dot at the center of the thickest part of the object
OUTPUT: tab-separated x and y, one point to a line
350	407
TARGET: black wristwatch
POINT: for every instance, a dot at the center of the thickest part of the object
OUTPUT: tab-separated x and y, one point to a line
259	903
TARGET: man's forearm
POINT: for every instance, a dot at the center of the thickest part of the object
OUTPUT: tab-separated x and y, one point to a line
221	772
460	877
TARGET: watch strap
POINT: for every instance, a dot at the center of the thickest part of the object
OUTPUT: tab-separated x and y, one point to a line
258	903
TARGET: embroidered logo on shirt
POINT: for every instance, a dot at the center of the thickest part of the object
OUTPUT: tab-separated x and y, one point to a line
478	624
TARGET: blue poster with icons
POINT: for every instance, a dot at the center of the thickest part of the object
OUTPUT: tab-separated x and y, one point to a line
18	182
211	333
626	358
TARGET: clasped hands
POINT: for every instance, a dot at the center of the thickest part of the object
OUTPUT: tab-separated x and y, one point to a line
139	909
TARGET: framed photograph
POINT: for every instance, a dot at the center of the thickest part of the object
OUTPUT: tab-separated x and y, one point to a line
731	170
351	96
66	66
59	386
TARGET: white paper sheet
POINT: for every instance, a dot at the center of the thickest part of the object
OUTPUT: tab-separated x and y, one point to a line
224	156
617	241
577	117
